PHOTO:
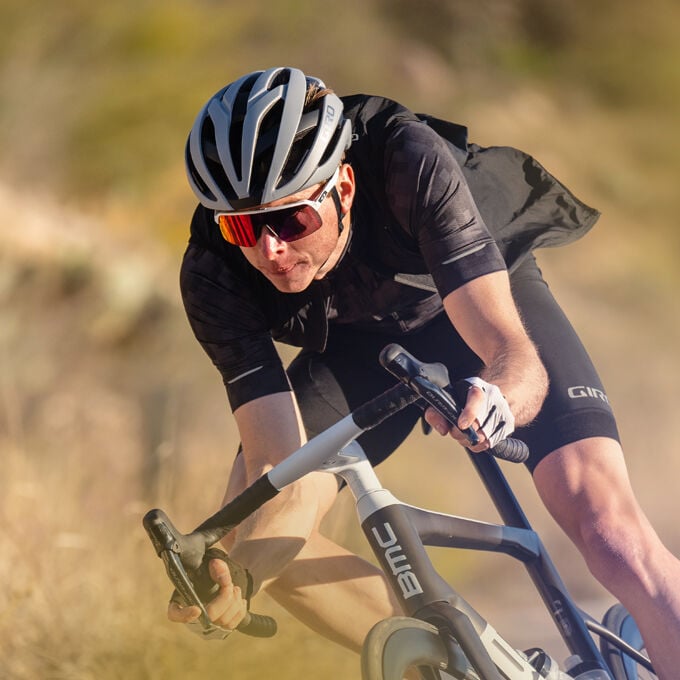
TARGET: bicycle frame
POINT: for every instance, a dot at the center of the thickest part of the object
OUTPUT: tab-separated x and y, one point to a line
398	533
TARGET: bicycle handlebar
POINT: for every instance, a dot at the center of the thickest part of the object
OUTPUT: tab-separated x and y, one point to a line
430	381
183	554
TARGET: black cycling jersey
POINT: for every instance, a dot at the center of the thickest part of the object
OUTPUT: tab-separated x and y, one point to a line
429	209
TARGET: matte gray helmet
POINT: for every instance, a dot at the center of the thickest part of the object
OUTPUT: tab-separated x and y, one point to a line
252	143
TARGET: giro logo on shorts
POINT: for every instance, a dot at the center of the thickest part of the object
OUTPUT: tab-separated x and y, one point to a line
580	391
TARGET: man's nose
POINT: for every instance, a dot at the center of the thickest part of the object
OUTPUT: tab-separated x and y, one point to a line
270	244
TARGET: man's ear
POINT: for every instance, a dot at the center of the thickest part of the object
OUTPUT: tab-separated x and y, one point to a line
346	187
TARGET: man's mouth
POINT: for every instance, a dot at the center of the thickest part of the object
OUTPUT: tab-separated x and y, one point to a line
280	271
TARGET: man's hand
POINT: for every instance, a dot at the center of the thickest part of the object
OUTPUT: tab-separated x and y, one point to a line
227	609
485	411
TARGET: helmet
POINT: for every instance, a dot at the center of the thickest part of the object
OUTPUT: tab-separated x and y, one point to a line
254	142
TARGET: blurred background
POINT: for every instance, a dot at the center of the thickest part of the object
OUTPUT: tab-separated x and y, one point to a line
108	406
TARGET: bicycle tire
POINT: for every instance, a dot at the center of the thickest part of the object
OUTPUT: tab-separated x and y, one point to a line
399	643
621	623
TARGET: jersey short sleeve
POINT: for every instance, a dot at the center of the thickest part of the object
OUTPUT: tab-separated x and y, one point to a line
429	197
230	326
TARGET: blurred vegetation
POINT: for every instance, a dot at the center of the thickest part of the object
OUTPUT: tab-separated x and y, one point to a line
107	404
98	99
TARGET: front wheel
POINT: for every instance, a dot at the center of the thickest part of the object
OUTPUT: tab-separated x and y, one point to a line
623	667
400	644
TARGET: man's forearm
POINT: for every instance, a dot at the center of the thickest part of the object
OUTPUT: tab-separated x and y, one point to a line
265	543
484	313
272	537
521	377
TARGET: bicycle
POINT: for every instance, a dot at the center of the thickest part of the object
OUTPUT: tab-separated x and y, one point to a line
440	633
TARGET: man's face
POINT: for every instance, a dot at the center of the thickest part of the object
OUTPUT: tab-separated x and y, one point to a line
291	267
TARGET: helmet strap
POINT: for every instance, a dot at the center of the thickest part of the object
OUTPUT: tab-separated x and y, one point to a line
341	226
338	209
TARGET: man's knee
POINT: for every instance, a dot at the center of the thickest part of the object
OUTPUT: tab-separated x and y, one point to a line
586	488
611	543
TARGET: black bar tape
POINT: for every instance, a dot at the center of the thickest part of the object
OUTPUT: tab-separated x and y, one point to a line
374	412
233	513
257	625
513	450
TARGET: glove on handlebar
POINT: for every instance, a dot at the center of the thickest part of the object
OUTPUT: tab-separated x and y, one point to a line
206	589
496	420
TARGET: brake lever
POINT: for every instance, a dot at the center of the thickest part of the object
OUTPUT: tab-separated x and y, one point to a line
166	541
184	554
419	377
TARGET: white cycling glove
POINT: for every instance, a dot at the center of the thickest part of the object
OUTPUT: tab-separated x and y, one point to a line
496	419
206	588
215	632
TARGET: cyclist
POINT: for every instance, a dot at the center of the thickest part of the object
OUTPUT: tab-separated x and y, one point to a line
342	224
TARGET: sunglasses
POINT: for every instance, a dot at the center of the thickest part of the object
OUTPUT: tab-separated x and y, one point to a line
288	222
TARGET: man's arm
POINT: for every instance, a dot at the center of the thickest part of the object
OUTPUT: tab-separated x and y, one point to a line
484	314
271	429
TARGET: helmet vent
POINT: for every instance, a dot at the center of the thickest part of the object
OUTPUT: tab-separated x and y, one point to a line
212	158
266	144
299	153
281	78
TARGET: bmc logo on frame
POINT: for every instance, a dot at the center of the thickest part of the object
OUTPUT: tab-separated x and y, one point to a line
580	391
398	562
